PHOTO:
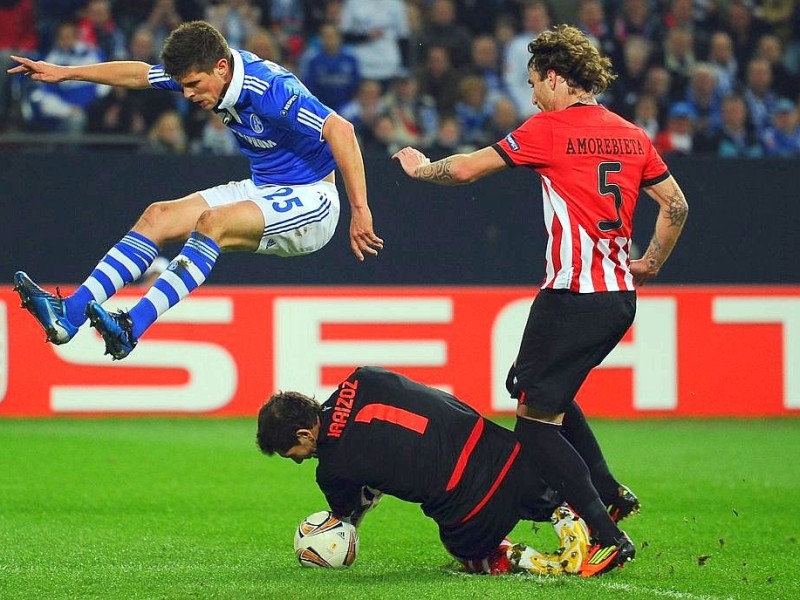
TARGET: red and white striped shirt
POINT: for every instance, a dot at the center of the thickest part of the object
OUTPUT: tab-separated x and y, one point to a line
592	164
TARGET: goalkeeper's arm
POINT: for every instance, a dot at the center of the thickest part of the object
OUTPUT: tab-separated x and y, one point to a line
369	499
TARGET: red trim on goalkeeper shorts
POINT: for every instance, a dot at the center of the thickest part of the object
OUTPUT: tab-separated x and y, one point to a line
521	398
504	471
466	452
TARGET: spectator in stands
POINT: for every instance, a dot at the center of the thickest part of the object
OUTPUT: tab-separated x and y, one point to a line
215	138
264	45
635	19
382	137
535	19
705	98
678	57
645	115
438	80
657	85
485	64
744	28
286	20
782	138
363	110
63	107
17	36
734	139
784	82
115	113
144	104
441	29
591	19
163	18
474	111
504	119
632	72
414	115
97	28
721	57
448	139
167	135
759	95
677	137
235	19
377	31
332	74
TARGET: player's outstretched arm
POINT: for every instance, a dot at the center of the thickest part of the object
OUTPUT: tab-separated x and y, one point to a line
341	138
672	213
124	73
457	169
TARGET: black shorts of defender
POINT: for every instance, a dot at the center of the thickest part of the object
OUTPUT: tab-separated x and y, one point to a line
480	535
566	336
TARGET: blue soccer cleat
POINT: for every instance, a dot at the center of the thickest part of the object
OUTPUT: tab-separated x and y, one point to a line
48	309
116	329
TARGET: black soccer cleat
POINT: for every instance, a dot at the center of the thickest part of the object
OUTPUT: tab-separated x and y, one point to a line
602	559
623	505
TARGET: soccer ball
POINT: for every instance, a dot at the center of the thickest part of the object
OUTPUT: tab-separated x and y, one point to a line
322	540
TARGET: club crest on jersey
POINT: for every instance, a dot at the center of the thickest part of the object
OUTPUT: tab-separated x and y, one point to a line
512	142
256	124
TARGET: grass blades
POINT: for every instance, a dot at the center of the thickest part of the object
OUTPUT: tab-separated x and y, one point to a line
188	508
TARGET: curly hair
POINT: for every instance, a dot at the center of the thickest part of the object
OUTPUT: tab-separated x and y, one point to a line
567	51
193	46
280	418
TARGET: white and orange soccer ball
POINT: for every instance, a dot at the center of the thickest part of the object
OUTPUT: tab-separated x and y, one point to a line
322	540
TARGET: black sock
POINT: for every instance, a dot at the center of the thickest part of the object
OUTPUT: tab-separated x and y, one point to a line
580	435
563	469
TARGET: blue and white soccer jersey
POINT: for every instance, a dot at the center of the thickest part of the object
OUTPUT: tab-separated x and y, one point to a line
278	126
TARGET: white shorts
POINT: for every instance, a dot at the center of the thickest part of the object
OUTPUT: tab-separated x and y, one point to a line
298	219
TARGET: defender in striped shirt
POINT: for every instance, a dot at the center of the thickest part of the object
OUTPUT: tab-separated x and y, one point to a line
592	165
288	207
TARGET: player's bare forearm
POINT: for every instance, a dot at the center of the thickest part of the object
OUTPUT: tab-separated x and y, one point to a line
341	138
672	214
457	169
128	73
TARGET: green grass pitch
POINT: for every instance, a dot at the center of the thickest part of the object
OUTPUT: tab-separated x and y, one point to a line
188	508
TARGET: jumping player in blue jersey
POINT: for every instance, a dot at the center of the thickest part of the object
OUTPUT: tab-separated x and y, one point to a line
289	206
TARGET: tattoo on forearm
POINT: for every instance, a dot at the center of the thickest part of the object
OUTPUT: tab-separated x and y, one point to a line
676	209
653	256
438	171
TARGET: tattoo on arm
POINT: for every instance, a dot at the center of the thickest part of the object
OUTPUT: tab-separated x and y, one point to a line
653	256
436	172
676	209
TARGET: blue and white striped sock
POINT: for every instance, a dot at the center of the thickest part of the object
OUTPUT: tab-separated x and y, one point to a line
185	273
124	263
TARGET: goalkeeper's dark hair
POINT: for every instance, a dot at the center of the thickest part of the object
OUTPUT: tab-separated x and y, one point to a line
280	418
193	46
567	51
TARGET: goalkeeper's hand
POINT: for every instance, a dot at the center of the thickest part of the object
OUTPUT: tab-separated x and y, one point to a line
369	499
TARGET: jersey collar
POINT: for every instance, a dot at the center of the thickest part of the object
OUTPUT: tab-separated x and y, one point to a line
237	80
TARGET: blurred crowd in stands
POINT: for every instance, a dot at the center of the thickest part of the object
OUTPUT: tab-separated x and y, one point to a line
709	77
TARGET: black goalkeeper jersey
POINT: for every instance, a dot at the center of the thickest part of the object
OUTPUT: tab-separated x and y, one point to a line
416	443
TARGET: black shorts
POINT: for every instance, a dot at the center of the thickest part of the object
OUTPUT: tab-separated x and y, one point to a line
566	336
480	536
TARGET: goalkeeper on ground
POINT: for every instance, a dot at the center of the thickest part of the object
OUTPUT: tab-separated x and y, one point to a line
381	431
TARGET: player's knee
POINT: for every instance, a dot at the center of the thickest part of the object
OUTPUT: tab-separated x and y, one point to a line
152	218
211	223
